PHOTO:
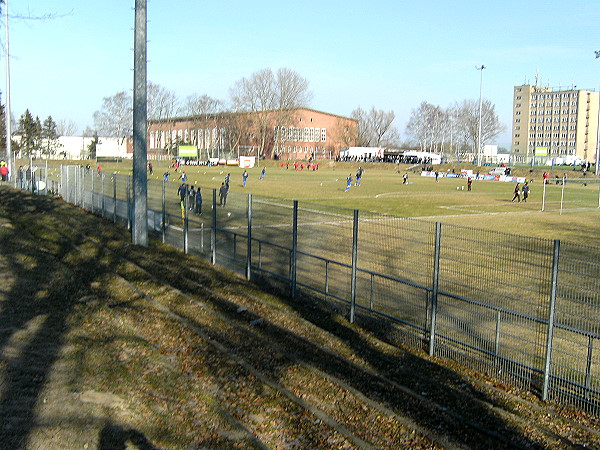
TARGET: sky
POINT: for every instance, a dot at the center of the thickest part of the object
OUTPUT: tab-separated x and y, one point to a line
387	54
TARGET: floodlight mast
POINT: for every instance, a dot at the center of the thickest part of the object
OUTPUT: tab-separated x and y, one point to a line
481	67
597	52
9	159
140	129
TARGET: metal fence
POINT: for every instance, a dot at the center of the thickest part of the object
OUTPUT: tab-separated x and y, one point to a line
523	309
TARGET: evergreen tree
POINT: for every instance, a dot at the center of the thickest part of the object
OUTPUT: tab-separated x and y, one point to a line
49	137
29	133
38	134
92	146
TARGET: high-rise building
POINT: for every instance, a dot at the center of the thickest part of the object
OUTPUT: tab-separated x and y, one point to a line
551	124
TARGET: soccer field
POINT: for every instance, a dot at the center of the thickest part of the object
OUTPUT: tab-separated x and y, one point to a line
488	205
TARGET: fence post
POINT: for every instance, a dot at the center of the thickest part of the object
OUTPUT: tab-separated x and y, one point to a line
213	231
551	310
249	254
294	255
103	202
164	212
497	342
82	188
185	220
128	202
115	197
82	171
93	177
588	367
434	291
562	194
354	266
544	196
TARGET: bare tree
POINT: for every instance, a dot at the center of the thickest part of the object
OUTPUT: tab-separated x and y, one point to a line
115	118
206	111
375	128
234	131
66	128
380	123
162	103
345	132
162	107
453	129
428	126
257	95
200	106
271	99
292	93
363	138
292	90
468	123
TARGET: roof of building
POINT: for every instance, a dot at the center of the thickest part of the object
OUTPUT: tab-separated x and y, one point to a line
193	117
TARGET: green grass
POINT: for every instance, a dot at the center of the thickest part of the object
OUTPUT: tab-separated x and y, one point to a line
487	206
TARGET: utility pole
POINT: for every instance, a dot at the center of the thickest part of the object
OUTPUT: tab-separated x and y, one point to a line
140	129
597	52
481	67
7	111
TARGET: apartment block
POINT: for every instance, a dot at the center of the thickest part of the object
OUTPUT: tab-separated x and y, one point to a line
554	124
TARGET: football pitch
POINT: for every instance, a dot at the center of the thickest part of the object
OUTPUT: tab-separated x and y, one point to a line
571	212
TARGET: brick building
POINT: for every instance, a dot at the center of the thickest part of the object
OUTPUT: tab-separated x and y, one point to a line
300	133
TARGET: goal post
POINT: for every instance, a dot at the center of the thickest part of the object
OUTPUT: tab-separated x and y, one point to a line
564	194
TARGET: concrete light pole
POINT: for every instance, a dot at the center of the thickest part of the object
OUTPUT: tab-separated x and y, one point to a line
7	111
597	52
481	67
140	129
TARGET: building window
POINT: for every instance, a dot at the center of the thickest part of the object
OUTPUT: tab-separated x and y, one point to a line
324	134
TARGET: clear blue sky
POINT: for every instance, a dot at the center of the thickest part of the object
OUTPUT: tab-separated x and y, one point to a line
390	54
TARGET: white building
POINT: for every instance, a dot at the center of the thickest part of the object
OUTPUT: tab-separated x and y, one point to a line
73	147
112	148
77	147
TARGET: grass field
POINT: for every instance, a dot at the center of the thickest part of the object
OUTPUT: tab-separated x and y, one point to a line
487	206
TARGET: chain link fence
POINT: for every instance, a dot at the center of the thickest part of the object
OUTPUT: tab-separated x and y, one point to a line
522	309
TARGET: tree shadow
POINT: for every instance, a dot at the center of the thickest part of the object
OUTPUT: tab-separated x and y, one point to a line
115	437
35	310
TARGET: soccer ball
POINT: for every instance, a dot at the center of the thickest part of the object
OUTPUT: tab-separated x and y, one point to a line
228	214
